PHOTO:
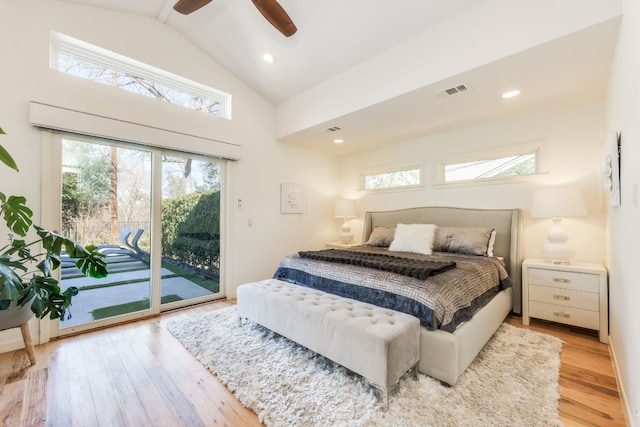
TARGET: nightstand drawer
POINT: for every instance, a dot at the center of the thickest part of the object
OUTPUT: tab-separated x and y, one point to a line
568	315
564	279
564	297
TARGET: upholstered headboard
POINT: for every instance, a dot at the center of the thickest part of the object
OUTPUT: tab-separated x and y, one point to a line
506	222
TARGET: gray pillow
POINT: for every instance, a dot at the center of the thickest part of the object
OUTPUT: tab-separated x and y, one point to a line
462	240
381	236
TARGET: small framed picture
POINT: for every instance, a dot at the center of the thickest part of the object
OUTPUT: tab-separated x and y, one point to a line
611	168
292	199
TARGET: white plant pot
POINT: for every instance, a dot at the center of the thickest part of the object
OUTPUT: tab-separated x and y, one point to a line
14	316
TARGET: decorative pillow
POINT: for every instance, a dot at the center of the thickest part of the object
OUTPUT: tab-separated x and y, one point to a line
381	236
463	240
416	238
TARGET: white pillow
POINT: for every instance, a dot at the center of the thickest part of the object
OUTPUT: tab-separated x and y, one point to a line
415	238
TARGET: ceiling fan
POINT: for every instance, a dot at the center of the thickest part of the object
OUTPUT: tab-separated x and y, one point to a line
270	9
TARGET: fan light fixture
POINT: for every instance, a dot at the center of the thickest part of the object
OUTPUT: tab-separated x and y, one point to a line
269	58
338	141
557	203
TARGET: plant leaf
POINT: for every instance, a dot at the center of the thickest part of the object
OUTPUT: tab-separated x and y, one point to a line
93	267
89	261
17	214
5	259
54	242
10	281
6	158
47	297
20	247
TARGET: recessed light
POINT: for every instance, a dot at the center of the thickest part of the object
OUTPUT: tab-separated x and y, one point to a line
268	58
338	141
511	94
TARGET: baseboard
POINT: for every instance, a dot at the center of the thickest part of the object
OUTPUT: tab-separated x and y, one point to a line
628	413
12	345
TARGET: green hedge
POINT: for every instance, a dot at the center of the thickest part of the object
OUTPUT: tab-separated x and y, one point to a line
191	230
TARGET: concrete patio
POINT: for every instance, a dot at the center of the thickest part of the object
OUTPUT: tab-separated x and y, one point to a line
114	291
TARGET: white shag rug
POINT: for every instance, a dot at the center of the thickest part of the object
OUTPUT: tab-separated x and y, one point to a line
512	382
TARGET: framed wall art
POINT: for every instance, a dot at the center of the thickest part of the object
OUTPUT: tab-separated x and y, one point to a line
292	198
611	168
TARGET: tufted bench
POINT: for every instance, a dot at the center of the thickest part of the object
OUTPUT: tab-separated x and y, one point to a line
377	343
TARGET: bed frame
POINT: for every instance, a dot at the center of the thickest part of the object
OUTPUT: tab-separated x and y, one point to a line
445	355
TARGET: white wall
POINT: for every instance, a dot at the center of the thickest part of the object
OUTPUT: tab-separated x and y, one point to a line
624	221
253	251
574	144
492	30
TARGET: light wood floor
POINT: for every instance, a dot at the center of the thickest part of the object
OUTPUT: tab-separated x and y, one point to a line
138	375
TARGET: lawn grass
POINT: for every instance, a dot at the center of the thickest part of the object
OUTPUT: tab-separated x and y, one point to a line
121	282
129	307
212	286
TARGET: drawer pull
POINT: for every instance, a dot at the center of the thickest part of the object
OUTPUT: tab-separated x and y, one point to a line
565	315
562	297
560	280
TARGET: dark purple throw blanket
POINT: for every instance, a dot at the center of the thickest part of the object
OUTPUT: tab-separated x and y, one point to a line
418	269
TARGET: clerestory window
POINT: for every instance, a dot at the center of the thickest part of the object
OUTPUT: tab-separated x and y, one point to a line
391	177
508	163
91	62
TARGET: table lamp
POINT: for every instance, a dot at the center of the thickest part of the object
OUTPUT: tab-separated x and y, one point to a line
557	203
346	209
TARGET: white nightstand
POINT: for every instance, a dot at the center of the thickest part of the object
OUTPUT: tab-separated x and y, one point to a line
340	245
574	294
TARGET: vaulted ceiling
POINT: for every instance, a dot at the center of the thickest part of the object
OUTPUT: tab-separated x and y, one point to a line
335	36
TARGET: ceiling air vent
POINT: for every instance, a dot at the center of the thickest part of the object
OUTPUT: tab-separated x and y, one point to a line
333	129
462	87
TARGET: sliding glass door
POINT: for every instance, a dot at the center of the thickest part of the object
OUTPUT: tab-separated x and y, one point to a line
155	215
190	229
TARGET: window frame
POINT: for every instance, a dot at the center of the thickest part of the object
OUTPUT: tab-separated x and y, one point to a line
538	148
51	201
86	51
379	170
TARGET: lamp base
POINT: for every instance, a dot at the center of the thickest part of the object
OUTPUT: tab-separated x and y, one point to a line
345	232
556	249
558	253
346	238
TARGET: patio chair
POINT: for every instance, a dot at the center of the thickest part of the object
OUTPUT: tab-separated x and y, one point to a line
68	264
138	252
123	249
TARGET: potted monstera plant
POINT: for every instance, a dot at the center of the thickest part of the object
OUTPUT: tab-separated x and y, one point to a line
28	259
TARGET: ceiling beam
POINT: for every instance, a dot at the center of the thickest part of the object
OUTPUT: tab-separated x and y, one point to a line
167	8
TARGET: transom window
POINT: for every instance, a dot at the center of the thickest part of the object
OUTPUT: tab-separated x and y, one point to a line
391	177
500	164
91	62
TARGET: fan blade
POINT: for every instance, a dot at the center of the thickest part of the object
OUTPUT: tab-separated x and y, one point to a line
187	6
276	15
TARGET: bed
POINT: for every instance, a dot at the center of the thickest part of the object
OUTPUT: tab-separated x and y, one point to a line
450	337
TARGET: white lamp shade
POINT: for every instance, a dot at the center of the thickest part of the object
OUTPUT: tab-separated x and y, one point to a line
558	202
345	208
